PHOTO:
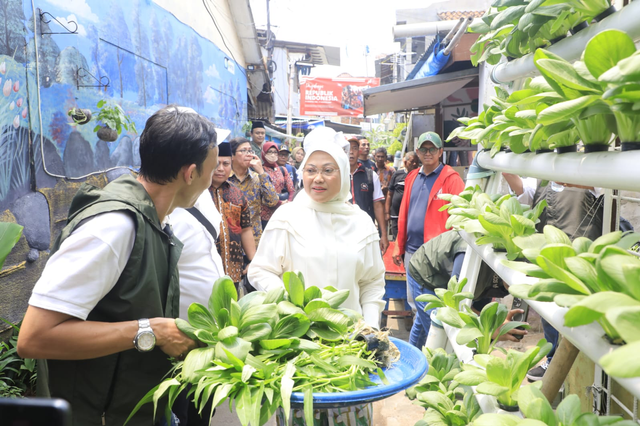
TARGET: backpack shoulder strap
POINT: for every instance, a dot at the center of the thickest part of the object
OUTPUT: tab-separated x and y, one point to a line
204	221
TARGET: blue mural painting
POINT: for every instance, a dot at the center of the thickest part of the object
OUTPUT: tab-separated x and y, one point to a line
149	59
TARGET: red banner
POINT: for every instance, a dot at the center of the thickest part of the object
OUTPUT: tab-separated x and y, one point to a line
334	96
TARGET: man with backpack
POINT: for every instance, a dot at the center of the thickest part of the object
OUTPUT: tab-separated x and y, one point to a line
366	192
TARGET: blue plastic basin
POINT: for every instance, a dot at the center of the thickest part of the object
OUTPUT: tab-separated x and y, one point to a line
402	374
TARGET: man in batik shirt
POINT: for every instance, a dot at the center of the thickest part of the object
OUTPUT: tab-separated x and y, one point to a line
255	184
236	232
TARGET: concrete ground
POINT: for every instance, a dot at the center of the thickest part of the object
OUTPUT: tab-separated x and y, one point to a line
398	410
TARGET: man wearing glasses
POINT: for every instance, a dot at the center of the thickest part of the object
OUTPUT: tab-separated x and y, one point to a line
419	219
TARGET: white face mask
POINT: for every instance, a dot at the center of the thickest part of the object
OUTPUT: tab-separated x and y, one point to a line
271	158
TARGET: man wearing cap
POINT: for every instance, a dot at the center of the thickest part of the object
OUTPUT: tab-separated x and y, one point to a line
419	219
366	192
283	161
258	134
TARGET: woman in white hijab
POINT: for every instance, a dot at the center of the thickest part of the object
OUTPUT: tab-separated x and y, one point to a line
319	234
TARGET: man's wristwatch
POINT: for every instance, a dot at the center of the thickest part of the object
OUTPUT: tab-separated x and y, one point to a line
145	339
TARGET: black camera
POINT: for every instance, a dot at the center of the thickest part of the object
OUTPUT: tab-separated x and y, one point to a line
35	412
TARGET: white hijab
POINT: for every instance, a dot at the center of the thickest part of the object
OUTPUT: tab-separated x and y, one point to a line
299	217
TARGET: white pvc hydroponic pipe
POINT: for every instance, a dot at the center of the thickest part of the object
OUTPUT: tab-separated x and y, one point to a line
627	19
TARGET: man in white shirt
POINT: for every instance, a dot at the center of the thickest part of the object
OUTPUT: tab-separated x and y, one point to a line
102	316
200	264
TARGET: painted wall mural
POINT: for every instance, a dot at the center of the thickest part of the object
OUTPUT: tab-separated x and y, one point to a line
147	56
133	53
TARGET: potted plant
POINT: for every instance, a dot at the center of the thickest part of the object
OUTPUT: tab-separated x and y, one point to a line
502	377
537	410
481	332
79	116
582	108
620	81
113	121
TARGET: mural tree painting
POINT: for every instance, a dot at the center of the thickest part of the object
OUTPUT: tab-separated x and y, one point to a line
179	72
194	76
96	52
116	61
48	52
160	47
69	67
12	29
143	67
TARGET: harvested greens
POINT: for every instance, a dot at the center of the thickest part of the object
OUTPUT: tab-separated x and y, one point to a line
259	349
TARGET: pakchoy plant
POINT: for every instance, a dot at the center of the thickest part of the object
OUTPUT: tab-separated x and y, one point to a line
597	280
261	348
581	89
494	223
502	377
445	402
447	300
477	331
483	331
615	62
443	411
442	369
538	411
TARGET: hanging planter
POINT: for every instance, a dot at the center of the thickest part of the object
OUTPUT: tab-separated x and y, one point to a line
107	134
113	120
79	116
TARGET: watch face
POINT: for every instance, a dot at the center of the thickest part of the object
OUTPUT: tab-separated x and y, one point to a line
146	341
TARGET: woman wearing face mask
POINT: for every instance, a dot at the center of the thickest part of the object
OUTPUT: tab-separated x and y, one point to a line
279	178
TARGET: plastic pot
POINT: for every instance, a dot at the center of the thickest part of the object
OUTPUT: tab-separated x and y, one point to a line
509	408
607	12
598	147
579	27
543	151
107	134
565	149
629	146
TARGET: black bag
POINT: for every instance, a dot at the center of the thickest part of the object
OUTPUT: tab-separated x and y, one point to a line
284	194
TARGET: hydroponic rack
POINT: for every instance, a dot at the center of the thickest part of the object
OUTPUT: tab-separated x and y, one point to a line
611	170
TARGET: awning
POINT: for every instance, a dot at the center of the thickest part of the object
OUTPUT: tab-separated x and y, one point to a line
415	94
